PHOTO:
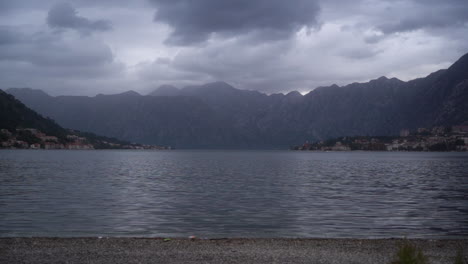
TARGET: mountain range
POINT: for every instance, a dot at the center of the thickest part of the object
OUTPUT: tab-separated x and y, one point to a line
217	115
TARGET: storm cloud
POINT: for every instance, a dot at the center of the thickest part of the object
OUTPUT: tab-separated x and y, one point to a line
74	47
65	16
195	21
425	14
48	59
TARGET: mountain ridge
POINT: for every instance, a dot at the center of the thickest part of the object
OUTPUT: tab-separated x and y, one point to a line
219	115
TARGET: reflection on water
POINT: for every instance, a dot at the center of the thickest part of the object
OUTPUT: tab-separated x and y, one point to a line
233	194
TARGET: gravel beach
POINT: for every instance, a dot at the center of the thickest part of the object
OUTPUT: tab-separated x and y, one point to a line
158	250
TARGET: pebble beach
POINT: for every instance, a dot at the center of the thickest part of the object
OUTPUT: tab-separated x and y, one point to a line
235	250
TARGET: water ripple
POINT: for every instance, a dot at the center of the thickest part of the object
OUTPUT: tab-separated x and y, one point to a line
233	194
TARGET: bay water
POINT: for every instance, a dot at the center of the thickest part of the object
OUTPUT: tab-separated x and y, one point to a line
215	194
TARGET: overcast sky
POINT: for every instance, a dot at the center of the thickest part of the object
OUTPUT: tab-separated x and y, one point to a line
86	47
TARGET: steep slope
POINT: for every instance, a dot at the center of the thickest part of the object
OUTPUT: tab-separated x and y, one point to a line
14	114
444	100
356	109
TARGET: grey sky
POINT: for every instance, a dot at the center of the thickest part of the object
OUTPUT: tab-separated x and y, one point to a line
196	21
64	16
86	47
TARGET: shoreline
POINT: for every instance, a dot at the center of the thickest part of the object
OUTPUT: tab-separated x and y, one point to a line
220	250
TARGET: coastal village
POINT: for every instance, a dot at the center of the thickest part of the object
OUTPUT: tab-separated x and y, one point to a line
453	138
30	138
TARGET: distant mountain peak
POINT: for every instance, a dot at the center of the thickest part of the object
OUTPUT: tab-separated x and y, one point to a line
218	88
381	79
384	79
129	93
324	88
219	85
294	94
165	90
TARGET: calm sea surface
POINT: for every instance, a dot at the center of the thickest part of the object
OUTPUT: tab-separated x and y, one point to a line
233	194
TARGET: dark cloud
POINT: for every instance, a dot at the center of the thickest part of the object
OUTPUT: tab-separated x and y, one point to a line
373	39
266	45
195	21
8	6
65	16
9	36
15	5
425	14
4	7
50	61
50	50
359	53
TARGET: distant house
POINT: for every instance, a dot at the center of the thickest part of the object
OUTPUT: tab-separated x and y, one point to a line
460	129
462	148
49	145
79	146
340	147
72	137
49	139
76	139
423	130
395	145
404	133
52	145
35	146
8	144
438	130
21	144
32	130
5	132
